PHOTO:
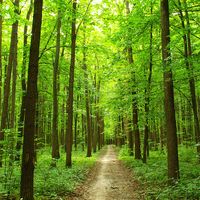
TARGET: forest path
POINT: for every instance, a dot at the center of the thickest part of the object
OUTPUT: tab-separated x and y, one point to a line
109	180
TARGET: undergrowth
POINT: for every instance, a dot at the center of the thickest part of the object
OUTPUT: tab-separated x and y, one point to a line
49	182
153	175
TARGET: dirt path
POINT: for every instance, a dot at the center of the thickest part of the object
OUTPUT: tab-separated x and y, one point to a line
110	180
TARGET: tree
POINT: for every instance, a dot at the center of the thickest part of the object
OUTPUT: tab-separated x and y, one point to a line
69	130
55	144
87	100
172	149
188	62
23	83
12	55
134	104
147	95
130	138
27	169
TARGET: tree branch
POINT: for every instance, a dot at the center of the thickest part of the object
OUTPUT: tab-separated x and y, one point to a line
88	6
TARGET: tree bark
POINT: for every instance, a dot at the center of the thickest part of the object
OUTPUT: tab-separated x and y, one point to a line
27	169
147	96
192	83
76	123
75	131
13	49
87	101
189	66
130	138
94	142
12	117
98	115
69	131
134	104
83	131
55	143
62	137
172	147
23	84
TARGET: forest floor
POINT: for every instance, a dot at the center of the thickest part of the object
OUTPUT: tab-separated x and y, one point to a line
109	180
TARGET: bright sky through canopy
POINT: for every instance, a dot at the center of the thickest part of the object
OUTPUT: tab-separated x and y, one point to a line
96	1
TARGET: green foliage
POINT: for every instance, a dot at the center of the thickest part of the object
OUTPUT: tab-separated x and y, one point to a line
9	174
153	175
50	182
60	181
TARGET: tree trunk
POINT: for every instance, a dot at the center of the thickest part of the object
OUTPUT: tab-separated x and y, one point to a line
172	147
75	126
134	104
94	142
189	66
147	96
27	169
87	102
12	123
13	49
192	83
83	132
62	137
98	116
136	130
130	138
55	143
69	131
102	138
23	84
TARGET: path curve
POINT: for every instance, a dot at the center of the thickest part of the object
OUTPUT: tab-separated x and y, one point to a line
110	180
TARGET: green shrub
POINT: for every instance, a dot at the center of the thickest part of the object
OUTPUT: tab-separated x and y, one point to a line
154	174
49	182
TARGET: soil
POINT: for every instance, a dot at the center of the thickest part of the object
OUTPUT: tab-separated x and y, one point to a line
109	180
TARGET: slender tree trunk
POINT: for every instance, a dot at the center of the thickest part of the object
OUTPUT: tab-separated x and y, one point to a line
172	147
69	131
87	102
98	115
49	125
192	83
13	49
12	123
134	104
23	84
102	138
94	142
27	169
76	125
136	130
130	138
83	132
147	96
62	137
75	131
55	143
189	66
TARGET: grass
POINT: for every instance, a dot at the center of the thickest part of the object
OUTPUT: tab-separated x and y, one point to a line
49	182
153	175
